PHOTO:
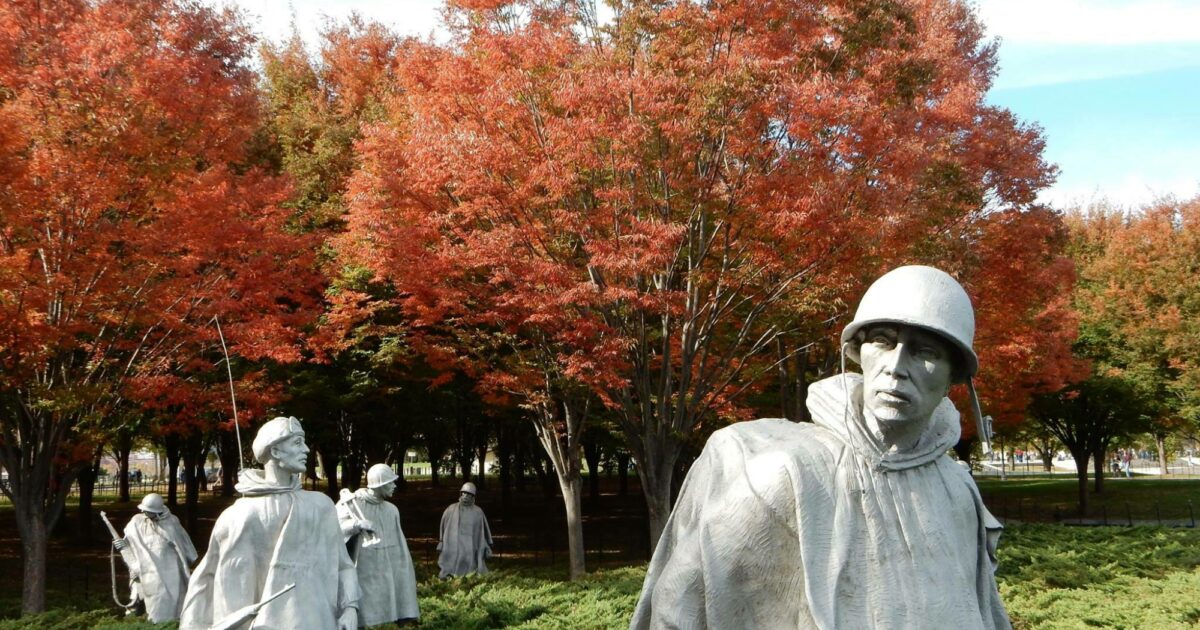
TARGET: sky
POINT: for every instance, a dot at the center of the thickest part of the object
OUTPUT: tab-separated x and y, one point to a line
1114	84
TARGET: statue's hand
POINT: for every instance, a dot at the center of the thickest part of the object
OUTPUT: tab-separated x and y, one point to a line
365	525
439	547
348	620
120	544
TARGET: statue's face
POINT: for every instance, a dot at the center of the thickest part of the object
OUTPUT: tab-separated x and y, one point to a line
906	373
291	454
386	490
466	498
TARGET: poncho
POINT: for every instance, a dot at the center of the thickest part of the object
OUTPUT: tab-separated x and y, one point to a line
464	540
386	579
271	537
164	552
797	525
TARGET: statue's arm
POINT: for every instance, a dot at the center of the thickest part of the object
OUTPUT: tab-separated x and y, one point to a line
442	528
131	536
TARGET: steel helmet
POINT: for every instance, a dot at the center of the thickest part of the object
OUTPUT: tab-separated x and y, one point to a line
469	488
919	296
380	475
152	502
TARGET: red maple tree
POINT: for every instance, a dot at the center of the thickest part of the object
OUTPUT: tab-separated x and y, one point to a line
128	220
623	212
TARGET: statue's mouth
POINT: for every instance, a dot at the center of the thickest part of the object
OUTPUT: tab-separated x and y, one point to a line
892	397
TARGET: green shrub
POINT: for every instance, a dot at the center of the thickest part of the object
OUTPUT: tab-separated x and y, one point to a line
1051	577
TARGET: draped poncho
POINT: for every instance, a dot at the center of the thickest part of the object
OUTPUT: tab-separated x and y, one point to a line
164	552
386	577
798	525
271	537
464	540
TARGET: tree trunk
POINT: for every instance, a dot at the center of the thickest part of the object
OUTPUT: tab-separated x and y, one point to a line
352	472
481	478
1098	460
1047	460
173	445
121	450
436	449
193	460
33	553
1081	465
1160	441
231	459
329	464
656	478
572	491
87	487
592	453
623	473
504	453
519	465
965	449
560	426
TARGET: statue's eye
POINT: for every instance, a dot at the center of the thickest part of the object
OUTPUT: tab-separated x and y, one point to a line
931	353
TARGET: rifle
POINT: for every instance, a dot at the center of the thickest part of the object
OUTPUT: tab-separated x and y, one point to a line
127	554
237	617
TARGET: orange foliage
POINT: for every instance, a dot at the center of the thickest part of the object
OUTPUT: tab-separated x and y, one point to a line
129	217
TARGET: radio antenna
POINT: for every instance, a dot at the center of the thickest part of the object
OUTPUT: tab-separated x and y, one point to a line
232	397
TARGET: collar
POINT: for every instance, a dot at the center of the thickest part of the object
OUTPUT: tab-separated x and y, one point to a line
252	482
836	404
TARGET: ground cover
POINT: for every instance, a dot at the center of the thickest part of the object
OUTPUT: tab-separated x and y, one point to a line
1051	577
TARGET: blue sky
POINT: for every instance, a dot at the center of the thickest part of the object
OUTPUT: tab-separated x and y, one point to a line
1115	84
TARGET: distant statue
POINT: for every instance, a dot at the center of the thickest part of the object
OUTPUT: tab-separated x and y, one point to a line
465	540
857	520
277	541
161	554
371	525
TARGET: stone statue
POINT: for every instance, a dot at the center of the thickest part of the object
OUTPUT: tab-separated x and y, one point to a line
162	554
276	535
465	539
371	525
857	520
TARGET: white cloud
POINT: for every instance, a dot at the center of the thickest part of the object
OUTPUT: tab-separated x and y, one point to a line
1092	21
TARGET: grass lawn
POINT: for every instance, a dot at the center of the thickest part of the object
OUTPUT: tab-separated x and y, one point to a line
1144	499
1051	576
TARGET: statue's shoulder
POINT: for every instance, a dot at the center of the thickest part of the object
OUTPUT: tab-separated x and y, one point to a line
772	437
314	498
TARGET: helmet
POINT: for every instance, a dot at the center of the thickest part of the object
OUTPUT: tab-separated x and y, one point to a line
380	475
272	433
919	296
469	488
152	502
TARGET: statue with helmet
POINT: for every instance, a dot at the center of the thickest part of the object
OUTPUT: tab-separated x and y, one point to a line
371	527
276	557
464	539
158	553
859	519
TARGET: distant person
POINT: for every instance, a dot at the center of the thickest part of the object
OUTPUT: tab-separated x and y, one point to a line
159	577
464	540
276	535
371	524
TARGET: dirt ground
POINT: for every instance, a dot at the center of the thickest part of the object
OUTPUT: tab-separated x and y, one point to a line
529	530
